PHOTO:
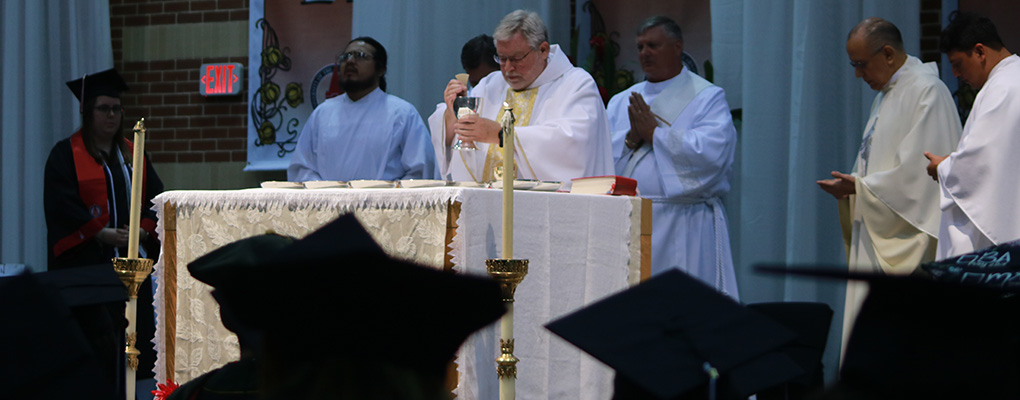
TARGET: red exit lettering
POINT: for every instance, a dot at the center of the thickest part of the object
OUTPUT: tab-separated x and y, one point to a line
218	79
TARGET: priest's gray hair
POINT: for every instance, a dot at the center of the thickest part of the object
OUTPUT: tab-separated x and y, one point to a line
525	22
878	32
667	24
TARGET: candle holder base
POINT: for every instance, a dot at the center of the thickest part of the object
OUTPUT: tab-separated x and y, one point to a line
509	273
132	271
506	364
132	352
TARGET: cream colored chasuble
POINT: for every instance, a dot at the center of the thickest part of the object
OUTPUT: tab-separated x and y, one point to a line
522	103
890	226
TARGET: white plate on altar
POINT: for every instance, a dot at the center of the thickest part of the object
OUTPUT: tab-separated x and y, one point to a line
421	183
468	184
282	185
547	186
519	184
372	184
325	184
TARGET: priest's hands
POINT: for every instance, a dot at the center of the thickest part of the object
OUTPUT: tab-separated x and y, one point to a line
842	186
642	119
453	89
473	128
933	165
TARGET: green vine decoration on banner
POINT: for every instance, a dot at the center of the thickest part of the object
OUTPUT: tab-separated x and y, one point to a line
601	61
268	103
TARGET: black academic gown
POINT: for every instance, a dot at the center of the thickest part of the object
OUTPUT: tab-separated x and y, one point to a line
235	381
66	212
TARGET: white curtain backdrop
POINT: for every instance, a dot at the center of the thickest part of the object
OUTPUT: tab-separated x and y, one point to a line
45	43
423	39
784	62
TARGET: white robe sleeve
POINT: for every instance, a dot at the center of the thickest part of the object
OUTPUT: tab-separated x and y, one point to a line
694	158
304	161
568	136
619	122
979	175
442	151
898	179
416	157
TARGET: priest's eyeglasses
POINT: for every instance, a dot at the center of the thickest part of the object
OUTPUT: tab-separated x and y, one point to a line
106	108
356	55
862	64
514	61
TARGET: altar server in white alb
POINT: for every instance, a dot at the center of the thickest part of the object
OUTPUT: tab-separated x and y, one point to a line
673	133
980	197
561	127
889	211
364	133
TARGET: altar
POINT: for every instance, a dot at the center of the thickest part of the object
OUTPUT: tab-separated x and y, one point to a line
581	248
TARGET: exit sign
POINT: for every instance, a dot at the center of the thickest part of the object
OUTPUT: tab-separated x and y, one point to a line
221	79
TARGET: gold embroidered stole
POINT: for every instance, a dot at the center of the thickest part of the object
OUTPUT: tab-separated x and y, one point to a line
522	102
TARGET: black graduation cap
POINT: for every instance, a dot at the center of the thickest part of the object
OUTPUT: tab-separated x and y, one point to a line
235	271
104	83
995	267
43	350
661	336
915	337
86	285
387	308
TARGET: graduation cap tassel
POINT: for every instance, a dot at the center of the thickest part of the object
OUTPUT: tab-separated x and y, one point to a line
507	271
713	376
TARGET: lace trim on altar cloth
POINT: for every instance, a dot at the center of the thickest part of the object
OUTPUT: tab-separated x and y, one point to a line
409	224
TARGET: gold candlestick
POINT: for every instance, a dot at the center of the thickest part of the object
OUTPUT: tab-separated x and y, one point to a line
131	269
507	271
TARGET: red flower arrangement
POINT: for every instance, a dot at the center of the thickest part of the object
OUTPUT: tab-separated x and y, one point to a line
163	391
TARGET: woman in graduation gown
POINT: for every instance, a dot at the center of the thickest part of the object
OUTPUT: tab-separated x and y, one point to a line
87	196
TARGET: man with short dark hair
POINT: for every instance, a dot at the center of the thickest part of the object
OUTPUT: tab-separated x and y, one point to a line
364	133
979	196
561	127
889	210
674	134
477	58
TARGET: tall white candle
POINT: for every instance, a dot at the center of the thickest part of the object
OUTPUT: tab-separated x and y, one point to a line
136	188
507	384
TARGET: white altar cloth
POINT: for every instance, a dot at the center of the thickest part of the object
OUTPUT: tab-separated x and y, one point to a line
580	248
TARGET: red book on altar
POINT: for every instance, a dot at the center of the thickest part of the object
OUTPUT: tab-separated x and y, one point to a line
609	184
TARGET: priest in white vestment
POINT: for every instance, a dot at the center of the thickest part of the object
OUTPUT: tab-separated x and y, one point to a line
683	162
979	190
364	133
561	126
889	209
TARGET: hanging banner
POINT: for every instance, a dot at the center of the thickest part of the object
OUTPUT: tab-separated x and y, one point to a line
292	48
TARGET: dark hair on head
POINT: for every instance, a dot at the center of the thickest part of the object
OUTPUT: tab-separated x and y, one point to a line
88	122
379	57
667	24
965	30
878	33
480	49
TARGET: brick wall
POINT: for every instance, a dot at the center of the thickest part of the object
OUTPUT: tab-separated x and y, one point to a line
183	126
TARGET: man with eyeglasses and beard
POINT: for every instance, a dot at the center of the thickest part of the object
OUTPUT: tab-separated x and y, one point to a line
561	125
364	133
